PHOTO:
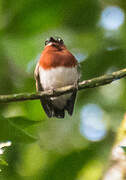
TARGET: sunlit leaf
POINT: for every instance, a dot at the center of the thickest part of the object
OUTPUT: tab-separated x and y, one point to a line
3	162
18	129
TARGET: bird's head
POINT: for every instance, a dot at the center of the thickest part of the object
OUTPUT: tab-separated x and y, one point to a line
57	43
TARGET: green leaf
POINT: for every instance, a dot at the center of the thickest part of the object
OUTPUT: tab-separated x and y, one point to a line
18	129
124	148
3	162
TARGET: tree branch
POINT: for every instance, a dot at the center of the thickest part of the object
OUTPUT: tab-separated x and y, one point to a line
92	83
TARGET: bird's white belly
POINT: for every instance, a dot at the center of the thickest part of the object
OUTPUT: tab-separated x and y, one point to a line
58	77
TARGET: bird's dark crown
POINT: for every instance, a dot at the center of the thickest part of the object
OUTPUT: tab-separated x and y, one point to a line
57	40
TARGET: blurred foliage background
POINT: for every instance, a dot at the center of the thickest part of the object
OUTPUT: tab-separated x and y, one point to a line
77	147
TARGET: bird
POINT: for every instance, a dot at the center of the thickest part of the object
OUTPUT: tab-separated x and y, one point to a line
57	67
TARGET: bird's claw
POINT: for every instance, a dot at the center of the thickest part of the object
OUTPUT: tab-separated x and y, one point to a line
76	86
53	91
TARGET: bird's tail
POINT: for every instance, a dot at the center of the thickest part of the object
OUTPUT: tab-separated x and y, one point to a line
50	109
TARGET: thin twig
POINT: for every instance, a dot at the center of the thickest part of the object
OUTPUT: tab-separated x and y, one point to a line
92	83
116	169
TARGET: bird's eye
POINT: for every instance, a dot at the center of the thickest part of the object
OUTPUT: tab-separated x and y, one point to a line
46	42
60	40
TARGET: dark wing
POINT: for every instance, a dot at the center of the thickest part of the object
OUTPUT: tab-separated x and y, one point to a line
46	102
70	103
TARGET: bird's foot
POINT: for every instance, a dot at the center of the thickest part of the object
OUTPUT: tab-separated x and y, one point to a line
53	90
76	86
